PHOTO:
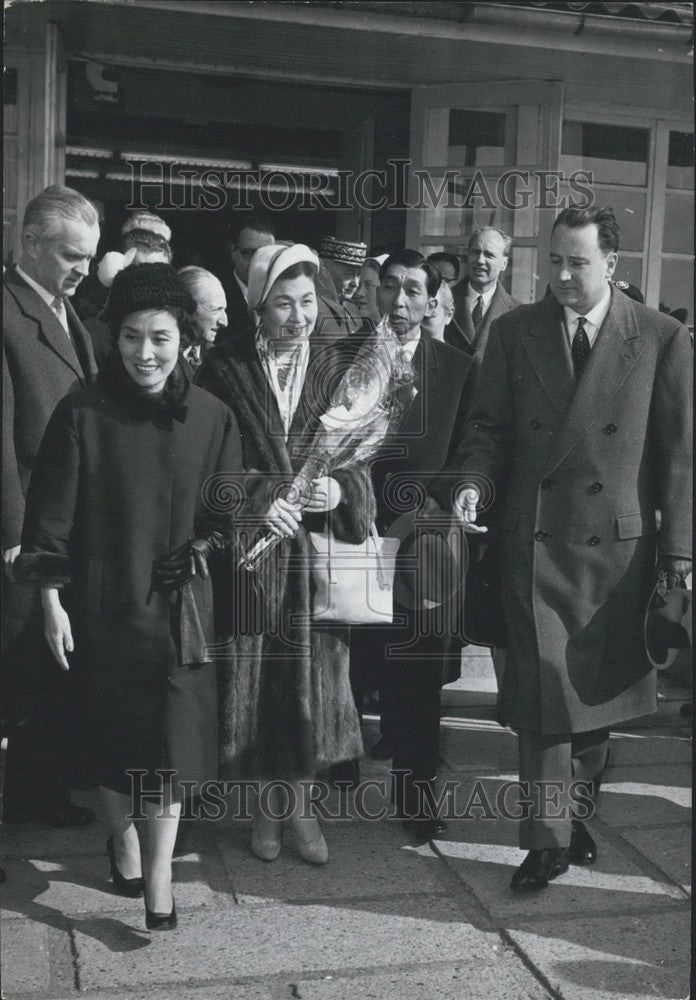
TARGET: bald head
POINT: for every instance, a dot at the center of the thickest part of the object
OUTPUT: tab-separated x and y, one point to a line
209	295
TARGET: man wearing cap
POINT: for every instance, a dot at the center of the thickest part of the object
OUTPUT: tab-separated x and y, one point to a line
338	280
580	432
246	237
405	660
46	353
480	298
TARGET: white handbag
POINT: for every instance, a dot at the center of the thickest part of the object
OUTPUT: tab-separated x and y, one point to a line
354	584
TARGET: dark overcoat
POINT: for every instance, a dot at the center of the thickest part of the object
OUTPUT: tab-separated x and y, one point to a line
578	473
462	334
120	479
286	703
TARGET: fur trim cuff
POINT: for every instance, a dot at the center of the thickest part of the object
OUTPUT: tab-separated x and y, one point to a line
42	570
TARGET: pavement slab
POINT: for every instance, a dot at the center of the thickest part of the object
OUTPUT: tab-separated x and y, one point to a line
248	941
501	976
646	796
618	956
484	858
174	991
634	749
666	847
25	957
42	888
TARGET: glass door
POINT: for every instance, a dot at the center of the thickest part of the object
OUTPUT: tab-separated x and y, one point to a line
487	154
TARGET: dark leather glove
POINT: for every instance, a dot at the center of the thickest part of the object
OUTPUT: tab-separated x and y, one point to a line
177	567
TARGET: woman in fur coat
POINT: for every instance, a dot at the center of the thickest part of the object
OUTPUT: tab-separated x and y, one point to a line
121	484
287	708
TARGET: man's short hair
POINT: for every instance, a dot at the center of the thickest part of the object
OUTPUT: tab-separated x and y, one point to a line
257	221
412	258
442	257
194	278
600	216
55	205
507	240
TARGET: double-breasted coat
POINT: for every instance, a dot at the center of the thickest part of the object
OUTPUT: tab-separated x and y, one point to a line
286	702
121	479
578	473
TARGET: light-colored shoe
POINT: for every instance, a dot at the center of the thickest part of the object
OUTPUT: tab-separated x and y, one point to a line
267	847
311	845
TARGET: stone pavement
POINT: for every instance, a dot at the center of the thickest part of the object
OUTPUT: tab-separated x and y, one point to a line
387	917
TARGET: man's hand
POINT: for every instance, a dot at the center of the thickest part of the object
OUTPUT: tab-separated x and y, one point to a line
465	510
677	569
283	518
57	629
326	495
8	558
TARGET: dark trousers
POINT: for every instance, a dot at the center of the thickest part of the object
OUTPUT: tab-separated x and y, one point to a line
554	766
406	668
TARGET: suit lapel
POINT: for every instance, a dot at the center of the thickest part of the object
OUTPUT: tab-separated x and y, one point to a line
50	329
547	349
613	354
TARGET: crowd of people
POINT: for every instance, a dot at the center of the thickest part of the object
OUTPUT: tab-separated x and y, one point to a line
158	432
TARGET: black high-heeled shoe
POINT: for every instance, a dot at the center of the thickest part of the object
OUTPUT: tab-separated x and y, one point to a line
160	921
132	887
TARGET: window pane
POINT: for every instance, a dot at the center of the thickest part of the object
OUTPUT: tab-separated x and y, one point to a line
677	287
614	153
680	160
629	209
679	223
461	137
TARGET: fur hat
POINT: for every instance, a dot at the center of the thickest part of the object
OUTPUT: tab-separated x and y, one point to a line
343	251
148	286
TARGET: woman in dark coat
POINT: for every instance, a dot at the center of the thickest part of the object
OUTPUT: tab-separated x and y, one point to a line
125	478
287	708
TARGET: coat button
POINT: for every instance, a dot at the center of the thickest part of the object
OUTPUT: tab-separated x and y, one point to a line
540	535
597	487
610	429
534	424
546	483
594	540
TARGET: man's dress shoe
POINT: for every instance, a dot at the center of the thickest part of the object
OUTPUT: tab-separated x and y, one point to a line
539	868
425	829
582	850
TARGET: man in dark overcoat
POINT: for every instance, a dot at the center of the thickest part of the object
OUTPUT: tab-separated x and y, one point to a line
46	353
582	430
405	660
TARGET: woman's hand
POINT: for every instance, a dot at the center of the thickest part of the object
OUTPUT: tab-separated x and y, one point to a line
283	518
326	495
57	630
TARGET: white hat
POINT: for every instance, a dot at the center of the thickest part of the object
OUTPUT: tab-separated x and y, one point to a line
269	263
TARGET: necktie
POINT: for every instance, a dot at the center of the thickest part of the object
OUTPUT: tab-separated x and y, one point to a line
477	311
580	348
58	307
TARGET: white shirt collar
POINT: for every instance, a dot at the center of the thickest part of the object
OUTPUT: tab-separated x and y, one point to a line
242	287
39	289
593	319
472	295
